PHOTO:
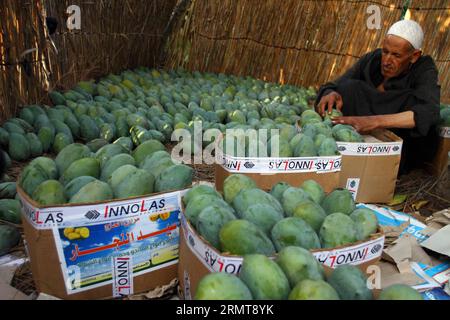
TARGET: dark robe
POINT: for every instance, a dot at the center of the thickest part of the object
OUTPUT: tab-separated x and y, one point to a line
417	90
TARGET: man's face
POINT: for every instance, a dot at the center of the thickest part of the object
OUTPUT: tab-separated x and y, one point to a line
397	55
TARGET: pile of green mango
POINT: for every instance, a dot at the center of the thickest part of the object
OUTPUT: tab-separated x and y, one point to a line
149	104
319	129
10	212
107	135
275	232
79	175
445	115
294	274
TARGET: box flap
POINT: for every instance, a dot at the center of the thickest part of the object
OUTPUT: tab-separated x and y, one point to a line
45	218
273	165
439	241
378	143
281	165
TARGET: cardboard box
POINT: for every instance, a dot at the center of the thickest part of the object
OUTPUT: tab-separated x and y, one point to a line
268	171
121	247
440	161
369	169
198	257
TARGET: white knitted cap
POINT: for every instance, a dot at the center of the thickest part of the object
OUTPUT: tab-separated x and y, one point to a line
408	30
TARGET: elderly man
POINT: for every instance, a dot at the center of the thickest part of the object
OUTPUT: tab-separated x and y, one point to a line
394	87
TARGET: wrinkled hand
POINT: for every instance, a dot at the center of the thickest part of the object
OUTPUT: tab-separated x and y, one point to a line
328	101
362	124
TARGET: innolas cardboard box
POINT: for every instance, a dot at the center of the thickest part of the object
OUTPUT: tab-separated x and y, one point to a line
103	250
268	171
440	160
369	169
198	257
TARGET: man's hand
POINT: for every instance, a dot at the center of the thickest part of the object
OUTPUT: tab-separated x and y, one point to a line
327	102
362	124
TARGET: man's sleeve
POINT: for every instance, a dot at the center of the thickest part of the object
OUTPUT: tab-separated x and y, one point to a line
355	72
427	94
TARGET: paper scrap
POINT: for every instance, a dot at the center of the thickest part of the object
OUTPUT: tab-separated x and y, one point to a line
421	272
404	266
10	259
438	274
392	233
158	292
439	242
8	267
429	231
9	293
418	254
435	294
44	296
447	288
7	273
399	252
390	276
439	219
404	251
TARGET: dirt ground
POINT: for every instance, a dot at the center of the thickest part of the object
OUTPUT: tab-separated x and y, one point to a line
425	193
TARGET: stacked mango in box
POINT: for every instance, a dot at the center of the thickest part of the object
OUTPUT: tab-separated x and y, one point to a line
249	220
284	224
294	275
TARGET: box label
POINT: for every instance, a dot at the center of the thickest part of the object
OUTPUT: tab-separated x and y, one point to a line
278	165
122	276
86	252
370	149
85	215
354	255
210	259
187	286
353	186
215	262
444	132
